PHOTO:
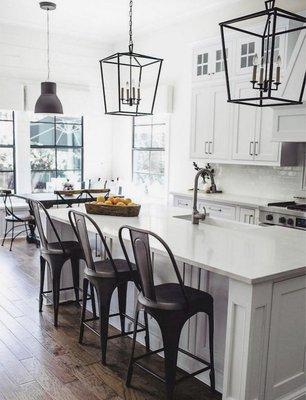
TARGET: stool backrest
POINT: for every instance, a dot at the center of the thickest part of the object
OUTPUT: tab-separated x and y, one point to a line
78	221
38	209
8	204
140	240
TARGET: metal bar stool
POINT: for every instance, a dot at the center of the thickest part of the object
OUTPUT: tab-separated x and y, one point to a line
16	220
55	254
105	275
171	305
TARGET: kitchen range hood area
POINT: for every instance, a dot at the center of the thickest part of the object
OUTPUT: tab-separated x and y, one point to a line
153	200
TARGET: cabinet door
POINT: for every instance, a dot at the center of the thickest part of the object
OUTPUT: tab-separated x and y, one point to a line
287	350
201	122
245	120
221	127
265	149
247	215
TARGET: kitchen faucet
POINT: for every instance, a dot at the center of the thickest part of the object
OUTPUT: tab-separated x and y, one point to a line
196	215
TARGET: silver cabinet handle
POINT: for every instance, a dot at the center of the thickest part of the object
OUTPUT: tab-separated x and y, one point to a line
256	148
251	149
210	147
205	148
215	209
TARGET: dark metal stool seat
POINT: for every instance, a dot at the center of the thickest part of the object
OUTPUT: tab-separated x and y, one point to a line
171	305
105	276
55	254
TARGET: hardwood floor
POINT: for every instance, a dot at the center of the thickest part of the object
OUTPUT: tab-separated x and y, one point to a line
40	362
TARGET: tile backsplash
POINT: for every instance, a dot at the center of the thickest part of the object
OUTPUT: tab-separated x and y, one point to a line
269	182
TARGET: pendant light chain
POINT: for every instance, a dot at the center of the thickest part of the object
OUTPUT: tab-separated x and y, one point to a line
131	44
48	45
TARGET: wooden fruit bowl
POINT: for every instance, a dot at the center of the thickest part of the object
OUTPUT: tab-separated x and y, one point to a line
116	211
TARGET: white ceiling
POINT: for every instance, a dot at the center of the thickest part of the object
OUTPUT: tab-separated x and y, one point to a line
103	20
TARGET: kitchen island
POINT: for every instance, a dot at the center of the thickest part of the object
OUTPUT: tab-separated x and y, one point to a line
257	276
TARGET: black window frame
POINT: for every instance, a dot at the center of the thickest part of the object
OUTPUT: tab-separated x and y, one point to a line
150	149
56	147
11	146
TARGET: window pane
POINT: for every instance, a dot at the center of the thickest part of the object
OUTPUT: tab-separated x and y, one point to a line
6	159
42	134
141	161
6	115
205	57
41	179
199	58
68	120
158	136
69	159
218	55
7	180
243	63
68	135
142	136
73	176
157	162
250	61
251	47
244	49
42	159
6	133
199	71
158	178
141	179
205	70
218	67
46	119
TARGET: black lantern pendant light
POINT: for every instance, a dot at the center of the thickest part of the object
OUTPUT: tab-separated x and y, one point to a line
130	80
264	60
48	102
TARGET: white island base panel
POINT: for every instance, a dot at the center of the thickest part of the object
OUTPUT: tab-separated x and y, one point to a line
260	328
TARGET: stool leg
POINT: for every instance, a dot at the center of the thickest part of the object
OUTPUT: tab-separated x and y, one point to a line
93	301
130	368
75	266
56	278
105	291
12	238
42	281
5	234
211	350
147	337
171	336
85	291
122	292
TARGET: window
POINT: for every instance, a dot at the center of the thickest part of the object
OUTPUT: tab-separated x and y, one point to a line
56	151
7	150
247	54
276	48
202	64
149	152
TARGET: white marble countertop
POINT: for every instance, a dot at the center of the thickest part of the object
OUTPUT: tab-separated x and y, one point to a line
249	253
227	198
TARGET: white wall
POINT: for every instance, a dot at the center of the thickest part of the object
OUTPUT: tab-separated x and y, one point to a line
75	68
174	45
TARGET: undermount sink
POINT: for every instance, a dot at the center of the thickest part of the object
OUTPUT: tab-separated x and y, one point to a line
218	222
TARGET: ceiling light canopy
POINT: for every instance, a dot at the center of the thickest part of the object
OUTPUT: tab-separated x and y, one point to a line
264	36
48	102
130	80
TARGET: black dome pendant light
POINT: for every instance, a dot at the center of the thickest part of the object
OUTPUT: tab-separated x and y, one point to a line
48	102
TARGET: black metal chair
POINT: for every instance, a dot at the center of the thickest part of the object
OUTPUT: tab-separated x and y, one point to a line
56	254
171	305
105	275
15	219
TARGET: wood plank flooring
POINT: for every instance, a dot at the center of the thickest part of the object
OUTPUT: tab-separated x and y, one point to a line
40	362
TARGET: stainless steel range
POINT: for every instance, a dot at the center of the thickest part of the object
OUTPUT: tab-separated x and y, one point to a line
289	214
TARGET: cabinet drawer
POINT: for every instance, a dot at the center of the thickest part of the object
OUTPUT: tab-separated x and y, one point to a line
182	202
219	210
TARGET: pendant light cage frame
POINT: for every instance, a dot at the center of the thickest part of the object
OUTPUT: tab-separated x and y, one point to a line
270	93
127	80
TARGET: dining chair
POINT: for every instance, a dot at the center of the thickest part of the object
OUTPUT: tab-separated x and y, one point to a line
14	220
171	305
105	275
55	253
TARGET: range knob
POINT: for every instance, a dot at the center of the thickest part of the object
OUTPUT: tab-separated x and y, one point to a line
282	220
269	217
290	221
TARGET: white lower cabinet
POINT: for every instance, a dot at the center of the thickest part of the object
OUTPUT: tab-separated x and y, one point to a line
247	215
287	351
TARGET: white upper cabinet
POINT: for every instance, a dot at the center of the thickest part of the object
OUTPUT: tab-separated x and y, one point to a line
210	123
